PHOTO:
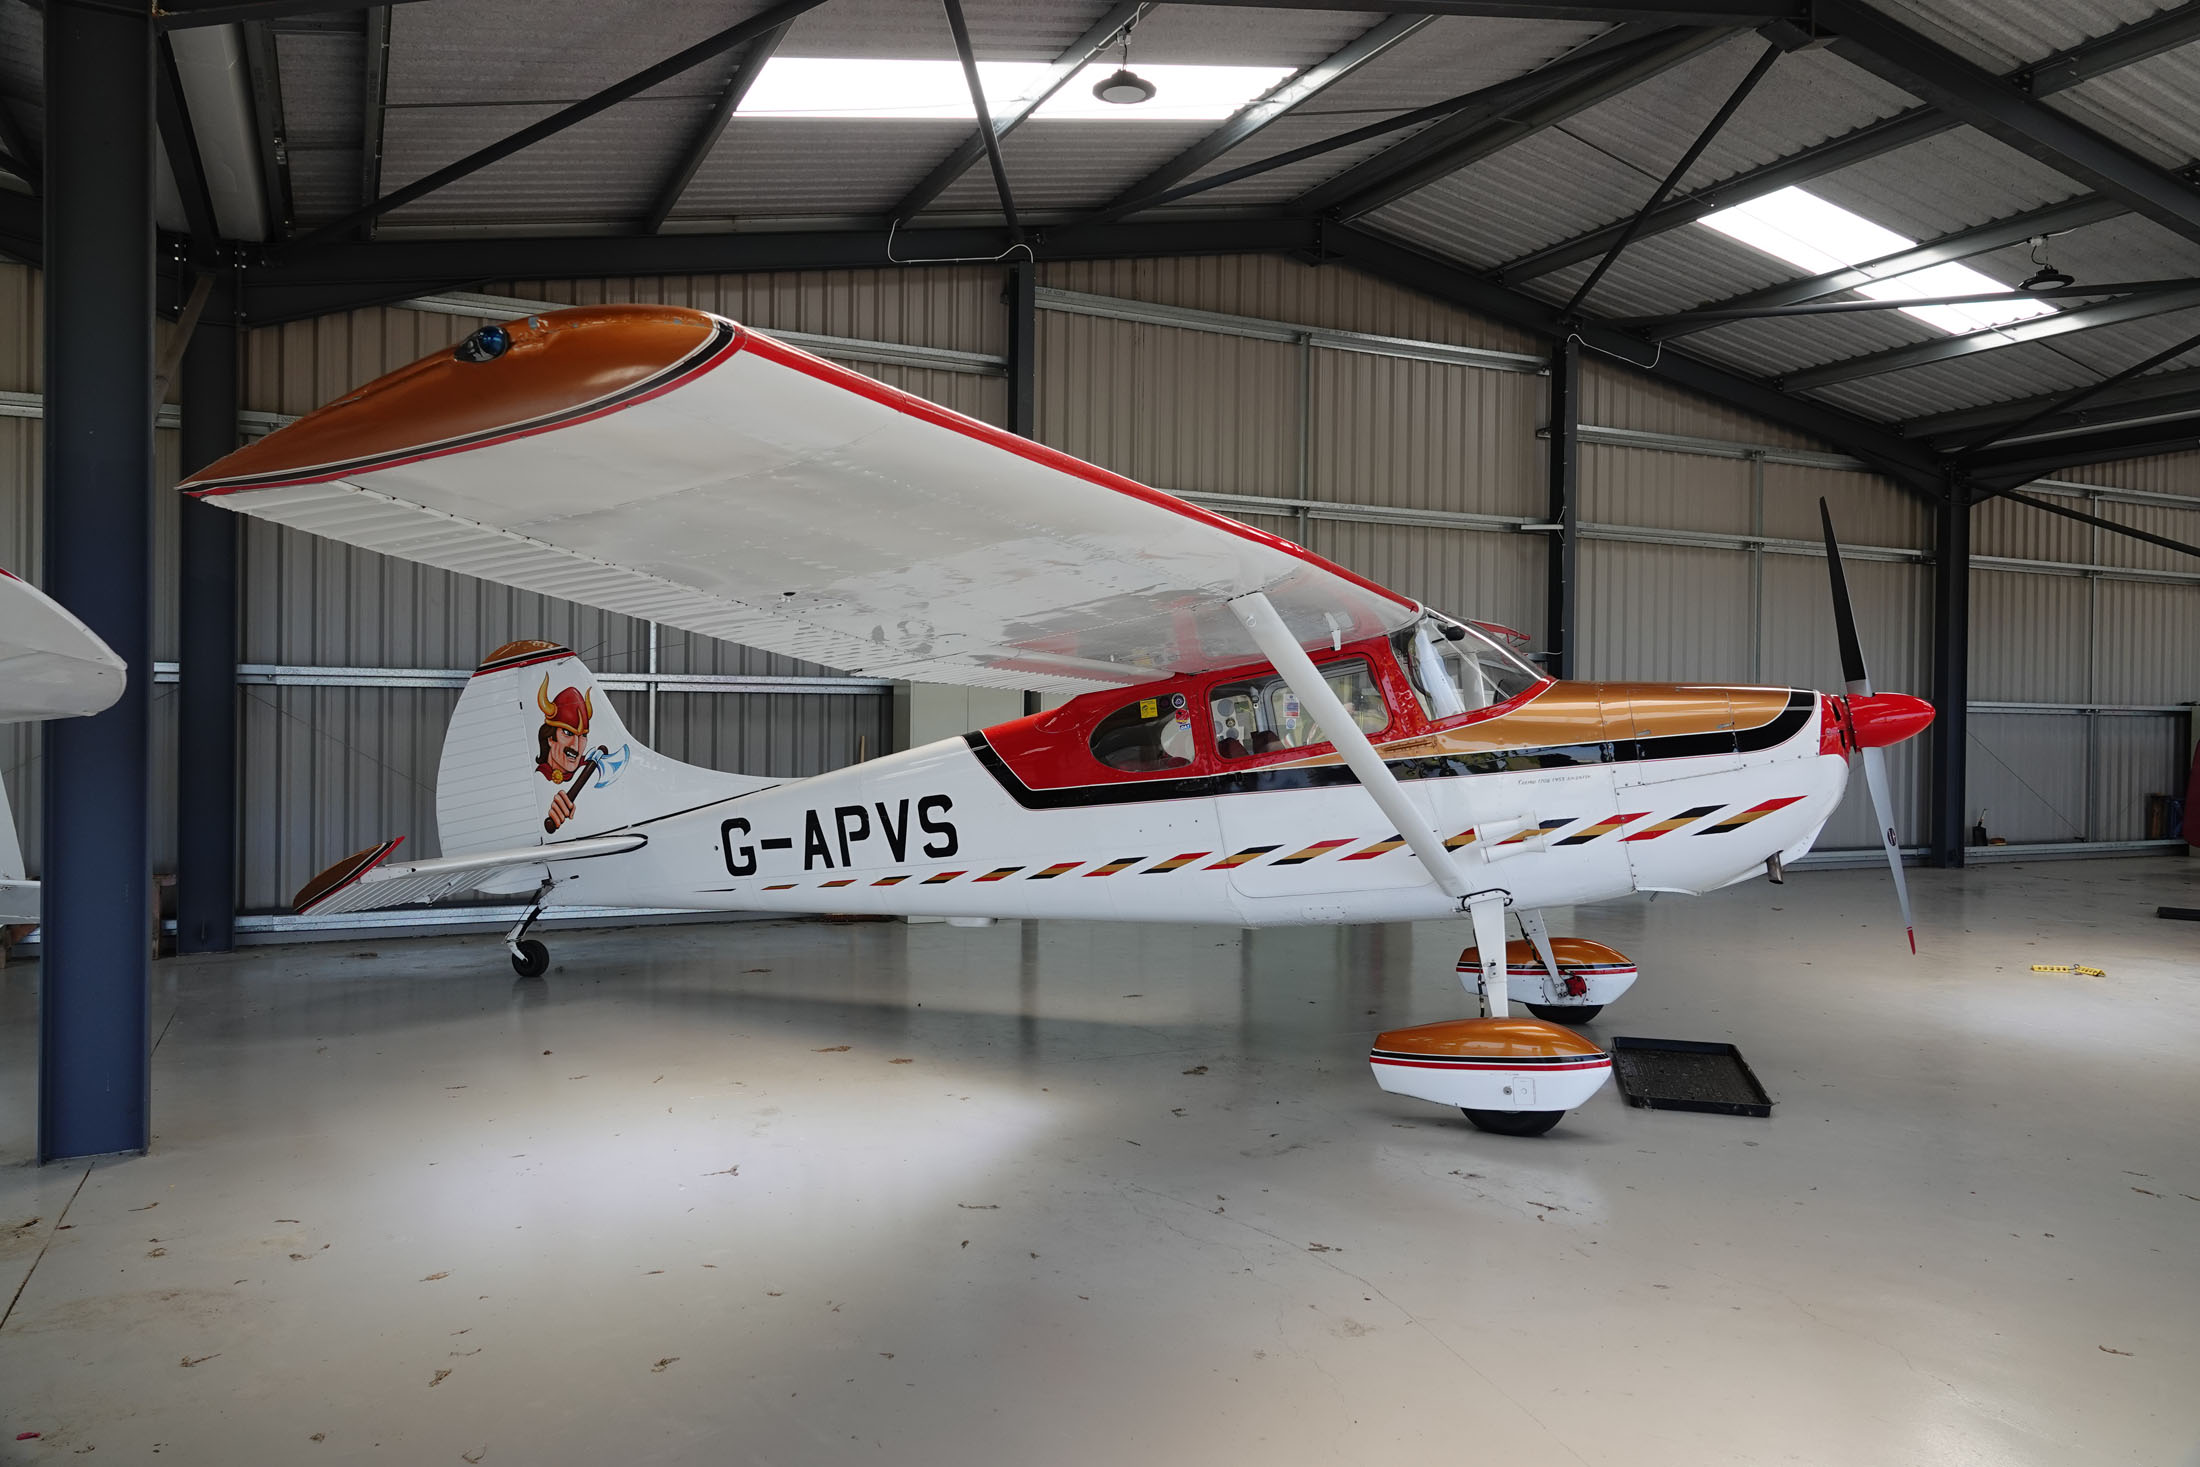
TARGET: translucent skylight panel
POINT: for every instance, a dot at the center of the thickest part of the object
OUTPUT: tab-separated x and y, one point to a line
869	87
1819	237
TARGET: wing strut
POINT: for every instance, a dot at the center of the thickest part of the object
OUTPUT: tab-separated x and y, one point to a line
1281	648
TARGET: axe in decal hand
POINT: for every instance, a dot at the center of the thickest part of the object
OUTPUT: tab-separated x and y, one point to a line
581	776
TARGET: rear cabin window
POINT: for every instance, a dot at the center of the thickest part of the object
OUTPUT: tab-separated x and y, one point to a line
1147	736
1263	715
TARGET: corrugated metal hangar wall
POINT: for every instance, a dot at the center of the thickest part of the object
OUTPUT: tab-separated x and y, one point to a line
1393	434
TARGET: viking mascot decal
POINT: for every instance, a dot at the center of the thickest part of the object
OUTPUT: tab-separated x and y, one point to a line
561	747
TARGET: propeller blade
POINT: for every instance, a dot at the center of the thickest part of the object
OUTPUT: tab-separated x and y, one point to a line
1860	686
1844	615
1875	778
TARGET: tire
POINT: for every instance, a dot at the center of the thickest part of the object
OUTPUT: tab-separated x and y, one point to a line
1566	1013
532	960
1513	1122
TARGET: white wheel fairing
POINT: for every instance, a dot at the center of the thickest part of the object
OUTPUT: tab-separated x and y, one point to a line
1560	1083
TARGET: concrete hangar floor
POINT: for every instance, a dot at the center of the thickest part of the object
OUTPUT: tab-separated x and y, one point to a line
1065	1193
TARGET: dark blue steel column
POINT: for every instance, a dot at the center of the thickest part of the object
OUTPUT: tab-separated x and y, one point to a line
93	1071
1562	575
206	711
1947	777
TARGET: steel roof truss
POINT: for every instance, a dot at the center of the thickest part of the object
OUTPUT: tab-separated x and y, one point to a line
2163	395
1947	348
1960	245
1687	161
565	117
2065	69
714	126
1937	76
1252	118
1594	72
182	148
1066	66
267	110
374	99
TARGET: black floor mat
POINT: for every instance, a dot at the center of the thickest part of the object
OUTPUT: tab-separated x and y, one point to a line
1687	1074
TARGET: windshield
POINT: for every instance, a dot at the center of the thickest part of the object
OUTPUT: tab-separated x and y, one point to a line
1455	669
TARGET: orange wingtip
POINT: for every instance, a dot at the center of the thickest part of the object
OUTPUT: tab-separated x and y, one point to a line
341	875
554	363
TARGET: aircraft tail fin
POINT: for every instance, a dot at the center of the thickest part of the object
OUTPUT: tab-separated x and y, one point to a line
537	752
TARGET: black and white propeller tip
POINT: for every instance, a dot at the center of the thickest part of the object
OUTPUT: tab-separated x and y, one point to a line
1875	720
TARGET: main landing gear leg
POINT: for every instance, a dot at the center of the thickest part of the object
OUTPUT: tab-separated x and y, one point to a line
530	959
1488	911
1531	927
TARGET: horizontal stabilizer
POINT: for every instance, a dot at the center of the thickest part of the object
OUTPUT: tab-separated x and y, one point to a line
366	880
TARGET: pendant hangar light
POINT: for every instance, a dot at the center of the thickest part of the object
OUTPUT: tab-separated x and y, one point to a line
2047	277
1124	87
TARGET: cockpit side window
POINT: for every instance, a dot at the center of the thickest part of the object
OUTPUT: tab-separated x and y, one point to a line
1147	736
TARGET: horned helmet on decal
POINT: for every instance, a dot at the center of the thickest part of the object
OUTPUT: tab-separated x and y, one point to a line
562	741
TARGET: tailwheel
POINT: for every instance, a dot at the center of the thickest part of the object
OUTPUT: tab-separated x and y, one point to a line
530	959
1513	1122
1566	1013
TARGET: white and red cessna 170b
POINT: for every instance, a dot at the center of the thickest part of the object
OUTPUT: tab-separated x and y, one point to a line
1259	737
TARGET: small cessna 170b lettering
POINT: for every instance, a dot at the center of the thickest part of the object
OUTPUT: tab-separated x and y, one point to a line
1258	736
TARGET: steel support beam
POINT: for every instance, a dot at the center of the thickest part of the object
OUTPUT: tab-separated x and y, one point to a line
2071	402
1961	245
2065	69
987	133
2016	333
1939	77
1251	119
1562	574
182	148
343	275
1720	315
1906	463
2016	463
1545	97
374	89
2129	532
1672	179
1945	791
206	713
2163	395
565	117
178	14
1066	66
265	75
1664	12
93	1071
1022	299
750	67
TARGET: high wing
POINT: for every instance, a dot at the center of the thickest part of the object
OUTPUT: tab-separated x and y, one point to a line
51	664
675	466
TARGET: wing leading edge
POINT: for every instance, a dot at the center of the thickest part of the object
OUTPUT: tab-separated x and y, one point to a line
672	465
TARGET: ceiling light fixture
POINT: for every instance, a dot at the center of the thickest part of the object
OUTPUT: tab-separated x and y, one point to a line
1819	236
2047	277
1124	87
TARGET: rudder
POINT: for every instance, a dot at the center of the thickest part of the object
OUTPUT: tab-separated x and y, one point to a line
536	752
